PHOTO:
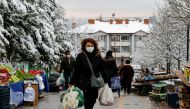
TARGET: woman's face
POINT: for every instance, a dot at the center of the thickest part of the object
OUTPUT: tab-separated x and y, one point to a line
89	47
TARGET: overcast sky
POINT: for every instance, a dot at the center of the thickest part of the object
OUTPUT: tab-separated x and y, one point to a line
122	8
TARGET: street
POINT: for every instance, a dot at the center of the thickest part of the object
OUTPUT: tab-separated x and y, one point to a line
132	101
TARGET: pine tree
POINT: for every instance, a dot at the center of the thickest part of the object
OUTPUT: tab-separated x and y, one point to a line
33	32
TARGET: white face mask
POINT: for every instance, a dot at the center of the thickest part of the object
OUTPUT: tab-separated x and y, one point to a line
68	56
90	49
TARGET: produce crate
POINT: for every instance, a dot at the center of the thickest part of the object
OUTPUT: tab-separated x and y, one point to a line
178	83
5	106
157	97
183	96
184	103
159	87
4	97
183	90
172	100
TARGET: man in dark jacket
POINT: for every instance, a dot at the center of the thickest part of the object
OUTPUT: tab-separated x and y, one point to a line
67	64
126	72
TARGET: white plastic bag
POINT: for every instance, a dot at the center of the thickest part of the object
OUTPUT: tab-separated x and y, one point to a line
73	98
106	96
40	81
29	93
60	80
16	98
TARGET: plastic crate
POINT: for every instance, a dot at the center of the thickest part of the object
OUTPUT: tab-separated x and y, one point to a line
5	107
173	100
159	88
4	97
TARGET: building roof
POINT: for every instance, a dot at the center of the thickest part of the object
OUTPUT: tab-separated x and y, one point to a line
131	27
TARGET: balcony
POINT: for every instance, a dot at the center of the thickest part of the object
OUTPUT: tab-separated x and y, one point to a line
117	54
120	43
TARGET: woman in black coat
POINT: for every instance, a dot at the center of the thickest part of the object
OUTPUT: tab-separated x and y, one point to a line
82	73
110	66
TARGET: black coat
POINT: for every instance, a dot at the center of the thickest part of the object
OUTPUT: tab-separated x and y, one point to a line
66	66
110	66
82	73
126	72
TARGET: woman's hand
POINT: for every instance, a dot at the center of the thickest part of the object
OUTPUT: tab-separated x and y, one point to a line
70	85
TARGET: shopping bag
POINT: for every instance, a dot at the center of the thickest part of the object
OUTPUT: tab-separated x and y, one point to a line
60	80
40	82
16	98
115	82
29	93
73	98
106	96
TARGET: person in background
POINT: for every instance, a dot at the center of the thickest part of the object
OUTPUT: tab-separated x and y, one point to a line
122	63
110	66
67	64
81	77
126	73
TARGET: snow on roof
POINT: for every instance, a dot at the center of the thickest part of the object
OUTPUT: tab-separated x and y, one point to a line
132	27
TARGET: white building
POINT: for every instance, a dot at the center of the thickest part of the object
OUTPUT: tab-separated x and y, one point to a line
118	35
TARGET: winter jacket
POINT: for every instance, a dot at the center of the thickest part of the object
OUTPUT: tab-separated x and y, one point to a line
82	73
110	66
66	66
126	72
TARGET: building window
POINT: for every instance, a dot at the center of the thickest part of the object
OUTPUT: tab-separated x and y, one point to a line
101	37
125	38
116	48
125	49
140	37
115	38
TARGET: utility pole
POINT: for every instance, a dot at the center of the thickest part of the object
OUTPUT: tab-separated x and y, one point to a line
187	43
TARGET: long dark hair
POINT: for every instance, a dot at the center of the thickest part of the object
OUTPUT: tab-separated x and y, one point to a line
84	42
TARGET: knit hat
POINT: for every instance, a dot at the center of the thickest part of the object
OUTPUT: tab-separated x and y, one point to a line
109	53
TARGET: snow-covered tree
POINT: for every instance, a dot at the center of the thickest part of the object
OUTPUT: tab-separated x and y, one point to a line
180	10
165	44
32	30
61	28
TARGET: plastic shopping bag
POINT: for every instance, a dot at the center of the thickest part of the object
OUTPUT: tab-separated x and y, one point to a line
29	93
106	96
60	80
73	98
40	81
16	98
115	82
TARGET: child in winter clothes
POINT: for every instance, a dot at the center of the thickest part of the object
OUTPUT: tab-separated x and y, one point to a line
115	84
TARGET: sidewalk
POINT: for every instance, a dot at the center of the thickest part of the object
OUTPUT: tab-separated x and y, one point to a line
132	101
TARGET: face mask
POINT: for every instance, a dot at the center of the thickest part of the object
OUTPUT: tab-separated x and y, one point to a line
90	49
68	56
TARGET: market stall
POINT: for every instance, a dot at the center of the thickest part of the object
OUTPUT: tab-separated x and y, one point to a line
144	84
17	81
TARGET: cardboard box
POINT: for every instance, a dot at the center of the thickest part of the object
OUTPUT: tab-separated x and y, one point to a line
184	103
183	90
184	96
184	107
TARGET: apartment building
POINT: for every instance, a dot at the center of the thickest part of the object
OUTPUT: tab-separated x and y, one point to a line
119	35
